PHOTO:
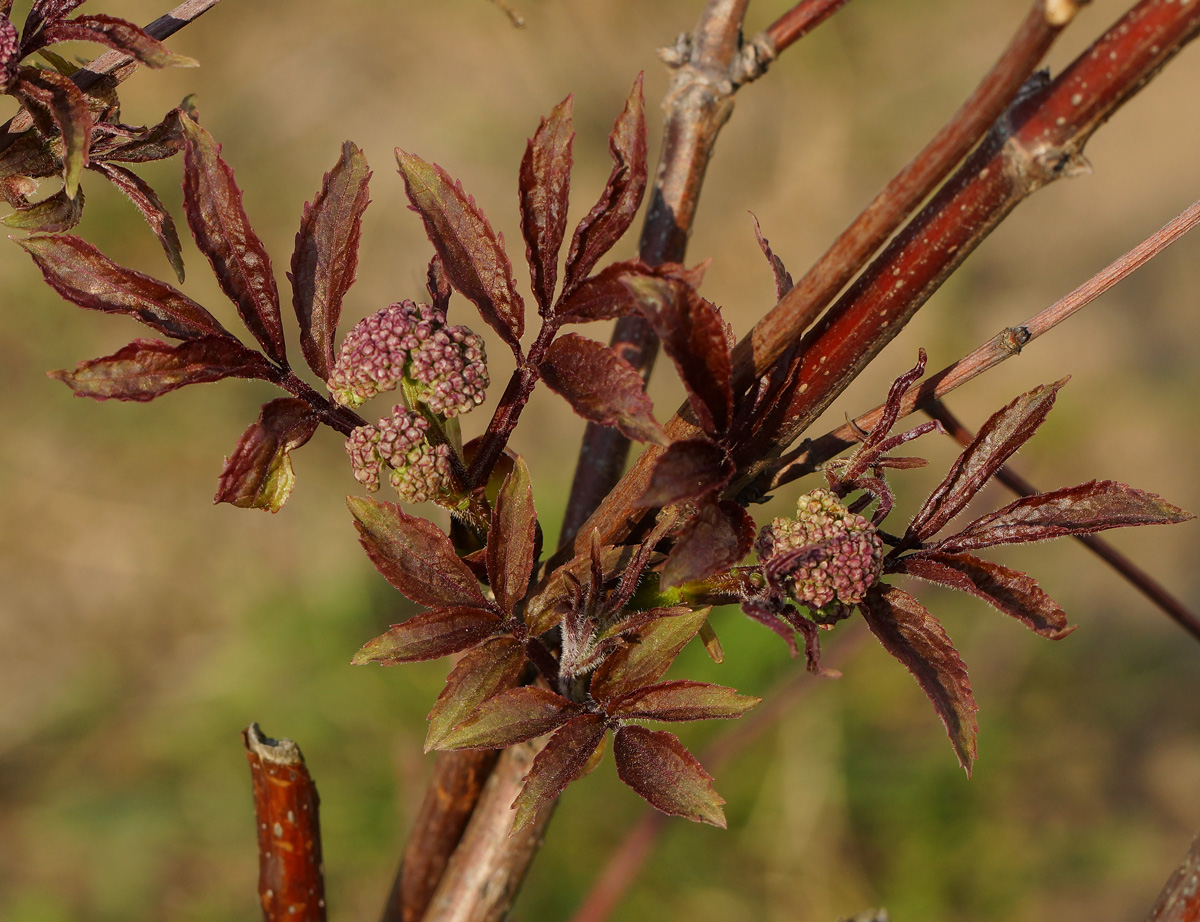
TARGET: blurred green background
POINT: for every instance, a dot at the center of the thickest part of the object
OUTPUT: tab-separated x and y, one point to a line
141	627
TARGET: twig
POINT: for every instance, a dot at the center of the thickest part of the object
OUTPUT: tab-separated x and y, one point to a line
628	858
1146	584
1009	342
1180	897
458	779
114	64
1040	140
487	868
291	877
785	322
698	104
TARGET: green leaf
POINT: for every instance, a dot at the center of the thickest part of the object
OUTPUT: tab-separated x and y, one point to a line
258	475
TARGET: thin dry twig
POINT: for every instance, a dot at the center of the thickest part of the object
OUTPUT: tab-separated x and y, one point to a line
1007	343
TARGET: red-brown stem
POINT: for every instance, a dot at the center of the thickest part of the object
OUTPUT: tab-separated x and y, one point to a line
291	877
698	104
628	859
1038	142
449	799
1007	343
1135	575
784	323
114	64
1179	900
799	21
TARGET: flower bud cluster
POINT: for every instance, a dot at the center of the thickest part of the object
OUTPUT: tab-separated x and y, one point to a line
419	471
849	562
446	364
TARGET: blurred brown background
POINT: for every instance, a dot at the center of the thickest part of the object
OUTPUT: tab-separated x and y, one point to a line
141	627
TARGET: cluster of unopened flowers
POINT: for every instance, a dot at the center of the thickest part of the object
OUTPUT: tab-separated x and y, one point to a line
441	371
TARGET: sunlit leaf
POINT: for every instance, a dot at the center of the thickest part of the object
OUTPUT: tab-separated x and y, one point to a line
146	200
429	635
52	215
512	539
149	368
658	767
258	475
612	215
46	11
1080	510
492	667
1009	591
601	387
783	279
680	700
117	34
565	757
914	637
49	92
472	253
213	204
1004	432
325	259
414	555
545	181
644	659
86	277
512	716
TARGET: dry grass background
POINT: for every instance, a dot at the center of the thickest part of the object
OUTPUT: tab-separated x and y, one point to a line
141	627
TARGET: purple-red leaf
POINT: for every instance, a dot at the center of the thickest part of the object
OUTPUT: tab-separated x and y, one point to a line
644	659
258	475
146	200
1004	432
680	700
914	637
1009	591
428	635
10	48
512	716
564	758
783	279
545	182
715	539
697	341
601	387
492	667
52	215
86	277
687	470
46	11
612	215
46	91
555	595
326	255
213	204
117	34
472	253
1081	510
512	539
149	368
658	767
603	296
414	555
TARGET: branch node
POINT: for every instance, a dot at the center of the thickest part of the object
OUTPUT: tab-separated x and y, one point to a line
678	54
752	60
